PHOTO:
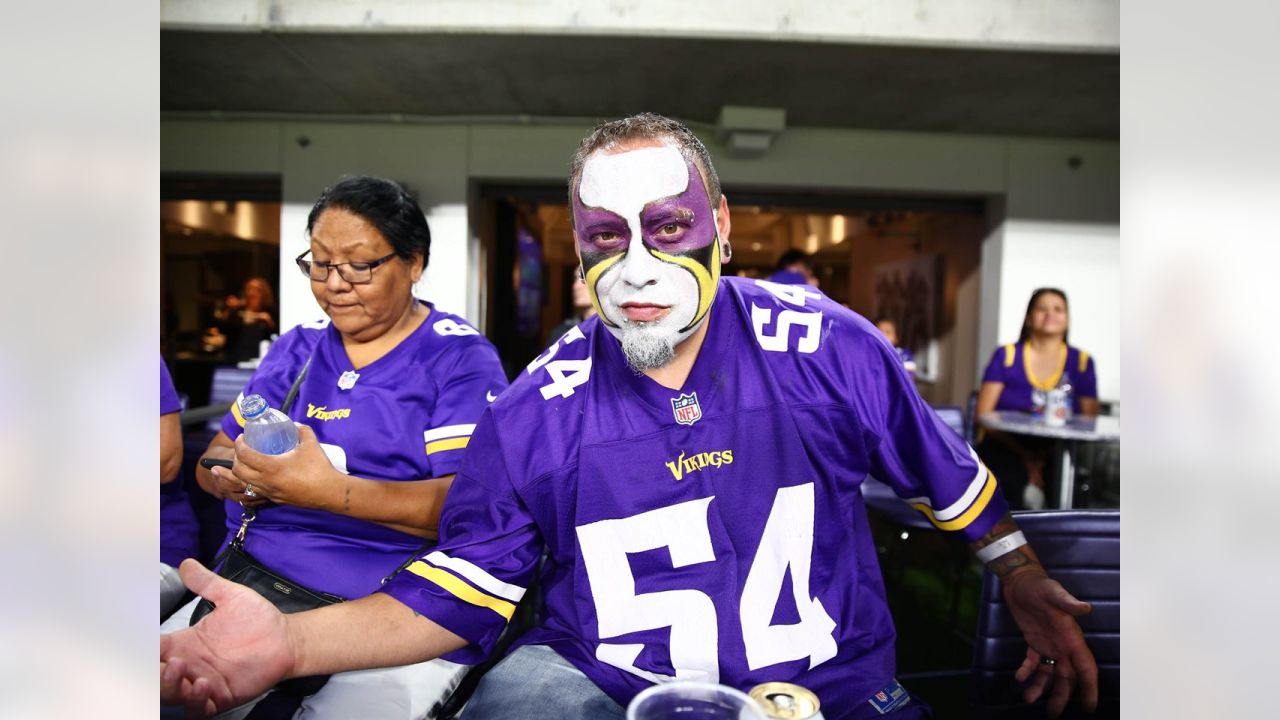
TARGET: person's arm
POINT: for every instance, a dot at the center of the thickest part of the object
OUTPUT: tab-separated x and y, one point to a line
1089	407
170	447
1087	387
921	459
1046	613
988	396
304	477
246	646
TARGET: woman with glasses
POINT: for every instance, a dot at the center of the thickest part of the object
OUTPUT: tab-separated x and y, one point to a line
1018	377
392	389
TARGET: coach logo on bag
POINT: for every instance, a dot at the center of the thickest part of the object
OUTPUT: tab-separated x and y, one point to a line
282	588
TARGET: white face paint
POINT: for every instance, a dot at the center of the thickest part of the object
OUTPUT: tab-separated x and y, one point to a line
647	301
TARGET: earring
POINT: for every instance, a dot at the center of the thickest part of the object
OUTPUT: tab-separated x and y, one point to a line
728	252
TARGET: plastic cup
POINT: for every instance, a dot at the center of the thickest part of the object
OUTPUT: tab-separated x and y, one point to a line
687	700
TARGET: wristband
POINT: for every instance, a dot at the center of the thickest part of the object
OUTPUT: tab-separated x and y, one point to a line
1004	545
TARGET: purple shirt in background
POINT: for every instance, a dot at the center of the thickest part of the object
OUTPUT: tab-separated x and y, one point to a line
734	545
1025	392
406	416
179	532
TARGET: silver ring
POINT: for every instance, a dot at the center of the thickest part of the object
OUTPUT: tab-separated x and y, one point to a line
248	492
1046	660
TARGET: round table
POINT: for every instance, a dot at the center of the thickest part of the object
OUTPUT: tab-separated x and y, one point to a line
1065	437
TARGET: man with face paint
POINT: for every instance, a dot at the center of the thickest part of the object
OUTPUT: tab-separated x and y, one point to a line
682	472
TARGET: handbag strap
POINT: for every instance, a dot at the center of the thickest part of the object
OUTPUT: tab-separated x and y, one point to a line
297	383
249	514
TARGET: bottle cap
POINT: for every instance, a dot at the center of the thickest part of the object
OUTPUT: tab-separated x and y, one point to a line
251	406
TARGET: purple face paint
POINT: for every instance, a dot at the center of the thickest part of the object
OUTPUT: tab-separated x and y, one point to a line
677	225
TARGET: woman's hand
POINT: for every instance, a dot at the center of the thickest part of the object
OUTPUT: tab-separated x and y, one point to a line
221	482
302	477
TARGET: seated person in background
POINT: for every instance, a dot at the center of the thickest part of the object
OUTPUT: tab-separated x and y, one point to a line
247	321
889	329
582	309
179	530
390	398
794	268
1017	378
694	476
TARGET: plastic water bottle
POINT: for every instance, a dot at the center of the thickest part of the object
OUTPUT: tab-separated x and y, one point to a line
266	429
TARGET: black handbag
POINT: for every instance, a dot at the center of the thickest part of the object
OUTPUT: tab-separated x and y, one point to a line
288	596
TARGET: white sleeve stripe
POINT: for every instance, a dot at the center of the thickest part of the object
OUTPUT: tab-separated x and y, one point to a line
448	431
957	508
480	578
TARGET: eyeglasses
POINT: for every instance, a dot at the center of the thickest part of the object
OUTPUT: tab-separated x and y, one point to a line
356	273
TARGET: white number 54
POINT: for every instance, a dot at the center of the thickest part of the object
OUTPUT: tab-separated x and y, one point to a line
786	545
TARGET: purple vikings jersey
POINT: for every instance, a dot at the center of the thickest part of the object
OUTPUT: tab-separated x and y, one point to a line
405	416
179	531
712	533
1024	391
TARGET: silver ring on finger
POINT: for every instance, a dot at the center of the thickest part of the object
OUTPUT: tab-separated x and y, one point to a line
250	492
1046	660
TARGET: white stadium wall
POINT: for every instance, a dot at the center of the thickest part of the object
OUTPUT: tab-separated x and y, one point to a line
1054	203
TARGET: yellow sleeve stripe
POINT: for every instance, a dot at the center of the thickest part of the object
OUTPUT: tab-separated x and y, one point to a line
450	444
1084	361
235	410
1009	351
461	590
988	490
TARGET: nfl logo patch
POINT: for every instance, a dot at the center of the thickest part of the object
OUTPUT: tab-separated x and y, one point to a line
686	409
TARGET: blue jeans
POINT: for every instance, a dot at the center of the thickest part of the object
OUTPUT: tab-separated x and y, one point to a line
535	683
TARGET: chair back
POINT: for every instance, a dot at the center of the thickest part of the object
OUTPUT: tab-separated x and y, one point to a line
225	388
953	416
1081	550
970	419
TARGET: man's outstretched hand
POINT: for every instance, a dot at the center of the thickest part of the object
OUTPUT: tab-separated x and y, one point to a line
1047	613
231	656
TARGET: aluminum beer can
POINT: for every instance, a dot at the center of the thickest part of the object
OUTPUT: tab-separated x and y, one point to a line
786	701
1055	407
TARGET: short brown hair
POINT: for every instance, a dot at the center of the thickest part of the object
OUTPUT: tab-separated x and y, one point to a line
645	126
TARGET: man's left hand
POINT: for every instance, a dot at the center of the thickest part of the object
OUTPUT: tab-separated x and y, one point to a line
1057	658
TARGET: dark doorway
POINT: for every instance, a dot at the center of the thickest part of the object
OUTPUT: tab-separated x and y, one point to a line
858	247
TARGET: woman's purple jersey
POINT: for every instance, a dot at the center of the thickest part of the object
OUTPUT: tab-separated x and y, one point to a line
1024	391
405	416
713	533
179	531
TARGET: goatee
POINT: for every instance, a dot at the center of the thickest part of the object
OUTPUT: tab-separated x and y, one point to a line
647	348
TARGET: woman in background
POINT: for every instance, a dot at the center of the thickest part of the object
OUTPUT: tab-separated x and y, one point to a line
249	320
1018	378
